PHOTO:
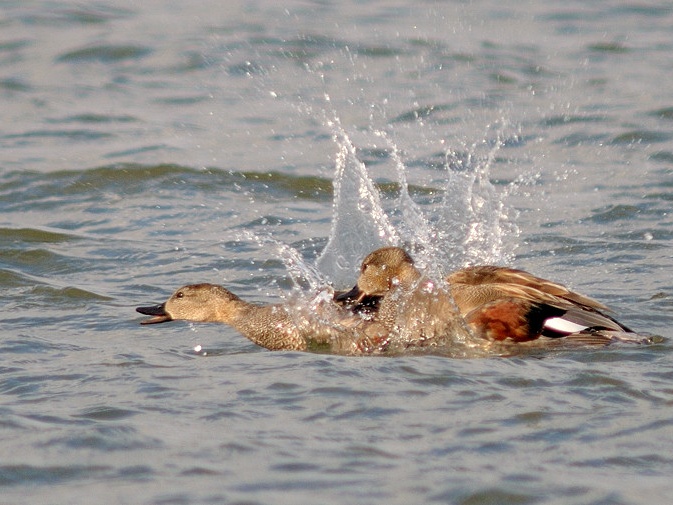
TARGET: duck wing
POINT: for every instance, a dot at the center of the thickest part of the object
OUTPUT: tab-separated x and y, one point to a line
511	319
579	320
480	284
520	320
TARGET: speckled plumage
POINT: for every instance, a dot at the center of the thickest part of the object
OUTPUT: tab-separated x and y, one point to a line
495	303
275	327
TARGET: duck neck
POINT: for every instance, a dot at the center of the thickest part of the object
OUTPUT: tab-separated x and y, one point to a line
268	326
407	279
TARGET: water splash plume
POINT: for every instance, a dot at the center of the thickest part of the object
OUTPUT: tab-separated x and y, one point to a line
468	225
359	222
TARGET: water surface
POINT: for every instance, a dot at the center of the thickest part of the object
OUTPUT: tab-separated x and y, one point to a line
267	146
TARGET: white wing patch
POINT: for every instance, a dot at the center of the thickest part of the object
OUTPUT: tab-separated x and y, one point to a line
561	325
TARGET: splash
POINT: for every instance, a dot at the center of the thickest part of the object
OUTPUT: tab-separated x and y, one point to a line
306	277
359	222
468	225
466	221
473	220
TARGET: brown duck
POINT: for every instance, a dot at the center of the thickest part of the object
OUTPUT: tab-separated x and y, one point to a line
275	327
494	303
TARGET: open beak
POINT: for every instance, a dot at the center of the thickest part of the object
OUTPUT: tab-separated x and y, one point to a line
357	301
352	297
158	311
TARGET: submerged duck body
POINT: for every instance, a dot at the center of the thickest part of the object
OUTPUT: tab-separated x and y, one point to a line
275	327
496	304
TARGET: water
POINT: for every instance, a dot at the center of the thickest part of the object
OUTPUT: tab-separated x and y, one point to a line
149	146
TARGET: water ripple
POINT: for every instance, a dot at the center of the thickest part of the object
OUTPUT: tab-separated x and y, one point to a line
106	53
14	475
154	146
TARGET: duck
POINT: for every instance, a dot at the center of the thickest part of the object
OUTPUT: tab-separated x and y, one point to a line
415	311
275	326
493	303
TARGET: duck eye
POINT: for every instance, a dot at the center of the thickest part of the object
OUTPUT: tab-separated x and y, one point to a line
179	294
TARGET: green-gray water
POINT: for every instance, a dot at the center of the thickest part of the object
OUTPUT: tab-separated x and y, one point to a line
148	146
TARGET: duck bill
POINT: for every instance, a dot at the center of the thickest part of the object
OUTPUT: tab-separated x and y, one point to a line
352	297
157	311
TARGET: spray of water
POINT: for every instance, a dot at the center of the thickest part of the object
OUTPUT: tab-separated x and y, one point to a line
359	221
306	277
469	225
473	221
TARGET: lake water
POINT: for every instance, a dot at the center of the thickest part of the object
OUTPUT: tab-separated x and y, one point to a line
268	145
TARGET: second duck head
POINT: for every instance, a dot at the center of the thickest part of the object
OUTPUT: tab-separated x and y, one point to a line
382	270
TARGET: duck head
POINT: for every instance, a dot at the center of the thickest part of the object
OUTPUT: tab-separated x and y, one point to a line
195	302
382	271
